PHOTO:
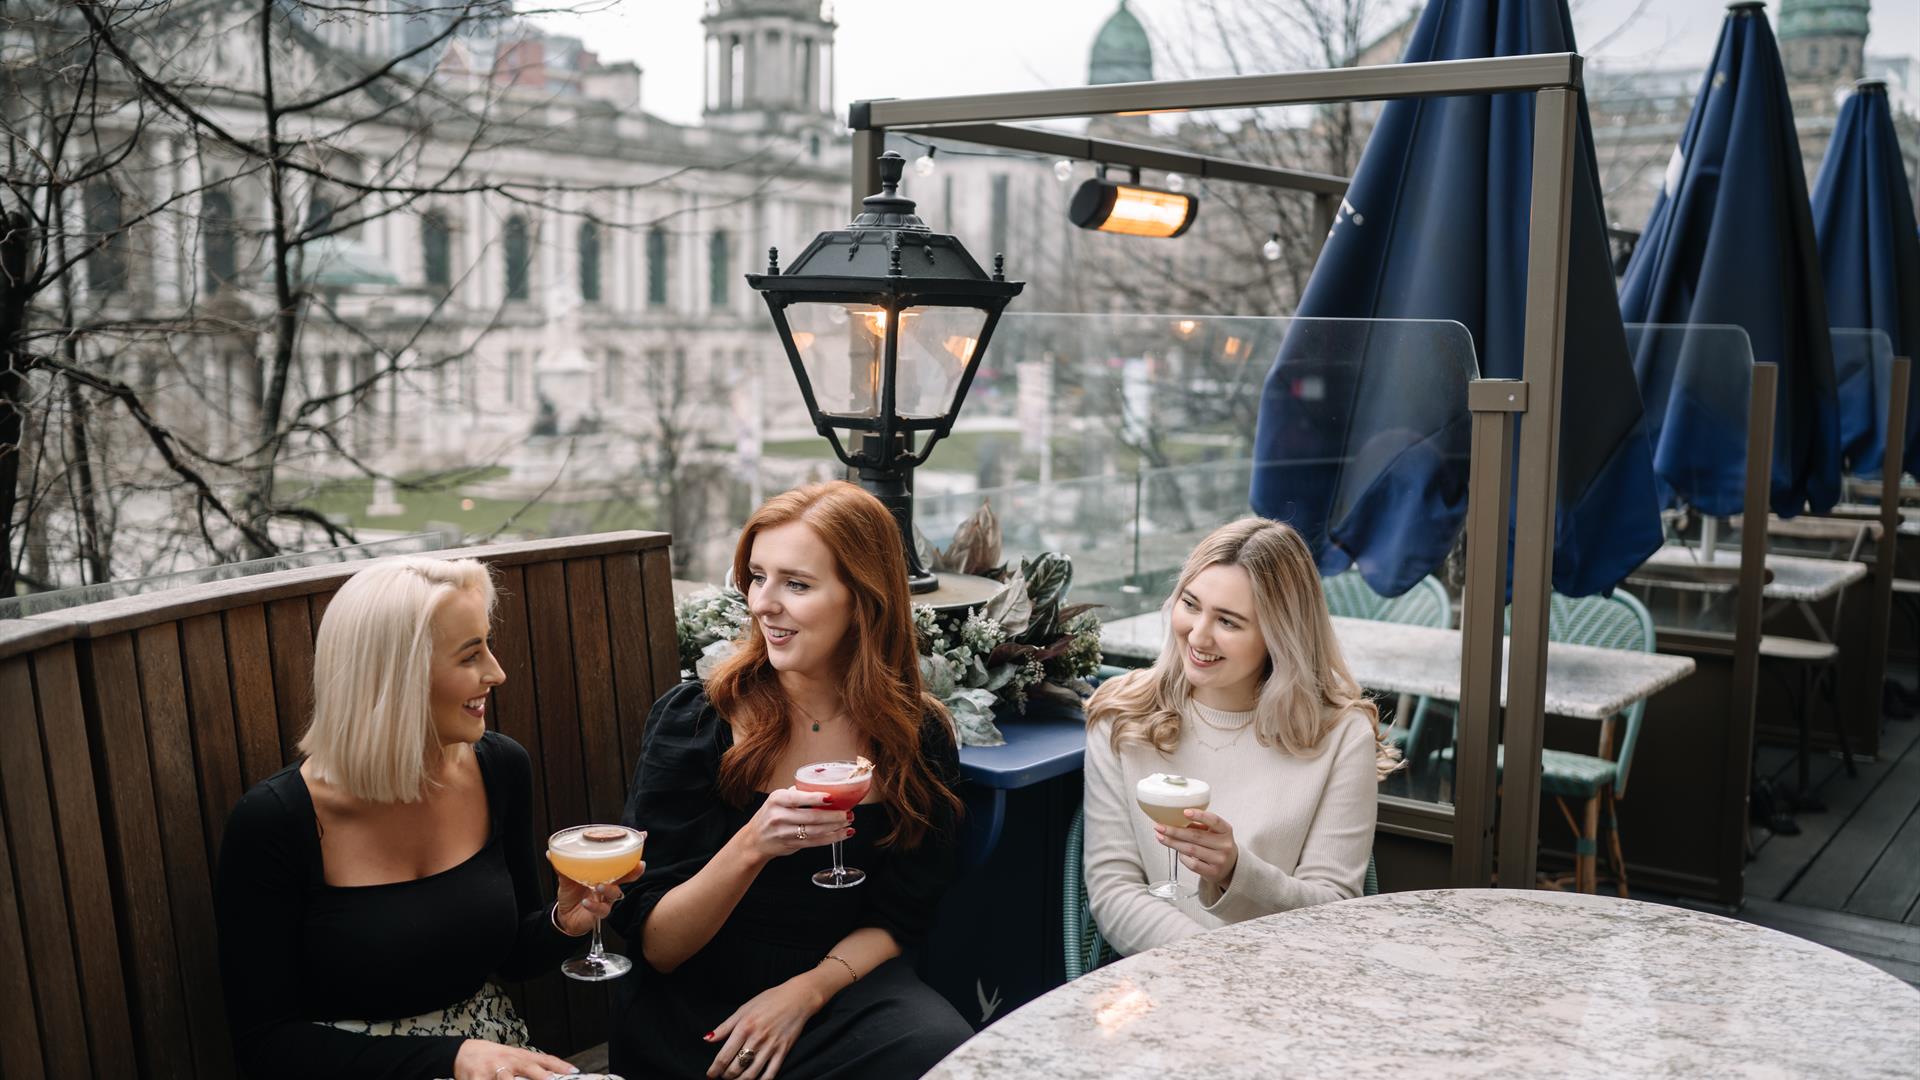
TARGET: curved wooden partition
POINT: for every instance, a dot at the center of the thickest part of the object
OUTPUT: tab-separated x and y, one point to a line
128	729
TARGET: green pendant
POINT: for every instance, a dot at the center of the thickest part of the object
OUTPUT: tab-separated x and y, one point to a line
816	725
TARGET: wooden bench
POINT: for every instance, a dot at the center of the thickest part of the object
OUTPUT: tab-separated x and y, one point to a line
130	727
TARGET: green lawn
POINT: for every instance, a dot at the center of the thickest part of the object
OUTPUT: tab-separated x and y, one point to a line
477	516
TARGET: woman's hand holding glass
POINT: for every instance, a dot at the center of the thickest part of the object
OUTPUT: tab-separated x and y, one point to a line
793	820
582	906
1205	847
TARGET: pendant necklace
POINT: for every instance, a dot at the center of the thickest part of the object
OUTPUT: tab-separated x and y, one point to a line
810	717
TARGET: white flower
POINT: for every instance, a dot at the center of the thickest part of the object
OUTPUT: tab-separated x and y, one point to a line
712	657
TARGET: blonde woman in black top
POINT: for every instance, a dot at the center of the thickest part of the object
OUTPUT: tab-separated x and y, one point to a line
366	893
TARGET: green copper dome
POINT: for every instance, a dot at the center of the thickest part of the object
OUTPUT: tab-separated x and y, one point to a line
1823	18
1121	53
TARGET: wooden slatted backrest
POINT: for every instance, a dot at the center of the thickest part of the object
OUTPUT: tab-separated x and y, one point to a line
129	728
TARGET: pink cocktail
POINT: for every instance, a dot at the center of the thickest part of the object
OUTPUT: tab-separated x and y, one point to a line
848	782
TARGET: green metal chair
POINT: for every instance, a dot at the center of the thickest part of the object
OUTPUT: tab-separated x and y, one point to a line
1085	948
1426	604
1597	780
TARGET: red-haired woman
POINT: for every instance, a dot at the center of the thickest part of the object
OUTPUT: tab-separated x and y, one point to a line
750	970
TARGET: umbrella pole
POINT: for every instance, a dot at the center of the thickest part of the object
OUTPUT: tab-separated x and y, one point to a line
1709	536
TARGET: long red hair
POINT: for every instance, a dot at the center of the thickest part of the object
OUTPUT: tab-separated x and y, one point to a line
884	696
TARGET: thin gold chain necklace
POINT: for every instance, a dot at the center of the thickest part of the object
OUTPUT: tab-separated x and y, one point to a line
1200	721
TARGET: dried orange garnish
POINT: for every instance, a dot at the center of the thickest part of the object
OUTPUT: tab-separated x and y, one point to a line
861	766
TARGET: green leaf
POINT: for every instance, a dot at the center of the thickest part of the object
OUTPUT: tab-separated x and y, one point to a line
1011	607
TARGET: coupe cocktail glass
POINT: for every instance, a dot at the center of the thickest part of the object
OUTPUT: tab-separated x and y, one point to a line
1165	797
847	782
596	856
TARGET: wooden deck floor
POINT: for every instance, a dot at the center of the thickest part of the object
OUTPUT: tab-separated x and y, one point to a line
1851	879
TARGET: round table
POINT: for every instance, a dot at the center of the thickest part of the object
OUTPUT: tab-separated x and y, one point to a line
1466	982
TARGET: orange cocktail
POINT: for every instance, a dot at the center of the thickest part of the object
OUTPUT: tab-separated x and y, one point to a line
596	856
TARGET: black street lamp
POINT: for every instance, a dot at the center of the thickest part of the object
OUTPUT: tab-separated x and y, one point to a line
885	322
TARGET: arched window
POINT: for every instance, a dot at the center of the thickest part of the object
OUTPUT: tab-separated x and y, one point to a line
719	270
657	267
218	240
436	248
519	258
107	262
590	261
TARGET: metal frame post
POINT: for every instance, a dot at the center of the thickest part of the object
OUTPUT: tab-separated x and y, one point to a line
1748	608
1544	340
868	145
1494	404
1887	553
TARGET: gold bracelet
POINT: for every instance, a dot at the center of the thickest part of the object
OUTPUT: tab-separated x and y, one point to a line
844	964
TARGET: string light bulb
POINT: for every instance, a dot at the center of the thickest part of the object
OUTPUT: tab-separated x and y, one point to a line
1063	170
1271	249
1176	182
923	165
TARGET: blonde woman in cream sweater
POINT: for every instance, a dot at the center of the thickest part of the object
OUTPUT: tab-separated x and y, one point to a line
1251	695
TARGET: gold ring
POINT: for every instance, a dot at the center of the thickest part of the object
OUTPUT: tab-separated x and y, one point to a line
744	1057
800	833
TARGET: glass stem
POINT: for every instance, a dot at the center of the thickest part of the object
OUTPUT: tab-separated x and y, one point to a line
596	950
1173	869
839	870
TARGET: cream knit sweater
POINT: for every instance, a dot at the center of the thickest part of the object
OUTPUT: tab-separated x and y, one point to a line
1304	826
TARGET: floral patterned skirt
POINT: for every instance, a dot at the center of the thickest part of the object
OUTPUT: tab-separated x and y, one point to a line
487	1015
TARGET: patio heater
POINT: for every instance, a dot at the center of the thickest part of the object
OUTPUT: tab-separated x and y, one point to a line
885	322
1132	208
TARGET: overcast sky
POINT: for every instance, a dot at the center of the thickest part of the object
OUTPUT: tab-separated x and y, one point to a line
922	48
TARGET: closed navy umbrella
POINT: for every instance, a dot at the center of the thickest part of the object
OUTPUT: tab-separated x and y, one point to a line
1870	261
1434	226
1731	241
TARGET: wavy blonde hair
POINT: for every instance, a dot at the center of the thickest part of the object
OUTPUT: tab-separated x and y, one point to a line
372	733
1307	688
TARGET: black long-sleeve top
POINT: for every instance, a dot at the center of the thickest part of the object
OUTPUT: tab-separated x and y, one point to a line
295	950
785	924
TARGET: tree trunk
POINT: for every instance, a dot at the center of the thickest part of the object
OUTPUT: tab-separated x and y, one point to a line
14	250
13	423
286	319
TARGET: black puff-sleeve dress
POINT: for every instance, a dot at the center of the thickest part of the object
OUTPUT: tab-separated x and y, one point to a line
888	1024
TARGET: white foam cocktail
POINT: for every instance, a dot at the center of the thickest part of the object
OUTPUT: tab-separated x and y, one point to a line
596	856
1165	797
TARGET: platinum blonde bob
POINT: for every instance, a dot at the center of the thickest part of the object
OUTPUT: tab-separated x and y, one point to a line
372	733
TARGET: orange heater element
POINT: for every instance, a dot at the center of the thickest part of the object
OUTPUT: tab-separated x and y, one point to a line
1132	210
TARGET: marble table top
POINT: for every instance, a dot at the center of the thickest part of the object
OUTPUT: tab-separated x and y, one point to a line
1582	681
1461	983
1795	577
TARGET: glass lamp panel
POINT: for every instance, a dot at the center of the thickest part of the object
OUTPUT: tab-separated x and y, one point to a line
936	344
843	349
